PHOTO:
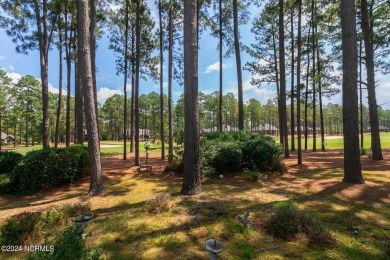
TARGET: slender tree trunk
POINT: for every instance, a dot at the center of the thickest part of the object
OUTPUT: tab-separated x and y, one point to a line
57	134
79	106
96	181
277	84
352	167
361	94
191	178
313	24
44	46
27	129
68	74
132	89
239	70
283	78
220	68
319	69
125	83
92	39
307	88
292	82
170	73
136	89
14	127
162	137
299	81
370	67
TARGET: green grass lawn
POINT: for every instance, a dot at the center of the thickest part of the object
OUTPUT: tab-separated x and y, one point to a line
108	147
124	229
336	142
113	147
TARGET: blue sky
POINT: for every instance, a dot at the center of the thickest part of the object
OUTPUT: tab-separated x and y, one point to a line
109	83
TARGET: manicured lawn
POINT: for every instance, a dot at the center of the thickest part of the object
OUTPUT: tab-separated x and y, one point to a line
336	142
124	230
107	148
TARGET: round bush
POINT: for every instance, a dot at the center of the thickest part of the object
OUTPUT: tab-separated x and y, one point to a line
8	161
260	152
228	158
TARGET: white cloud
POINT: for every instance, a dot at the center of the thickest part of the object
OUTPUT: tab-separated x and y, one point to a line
11	68
53	89
215	67
14	76
104	93
264	94
2	57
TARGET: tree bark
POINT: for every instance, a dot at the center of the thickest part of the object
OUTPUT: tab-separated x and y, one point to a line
92	38
96	181
59	106
352	167
370	67
162	137
44	46
313	24
282	67
299	81
125	83
191	179
239	70
292	82
136	89
170	72
79	106
132	89
68	74
220	68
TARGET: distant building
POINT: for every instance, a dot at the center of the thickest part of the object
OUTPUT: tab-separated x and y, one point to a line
266	129
6	139
226	128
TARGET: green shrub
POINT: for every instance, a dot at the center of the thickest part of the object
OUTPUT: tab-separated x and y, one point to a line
48	168
230	152
8	161
254	175
5	183
363	151
228	158
287	221
260	152
16	229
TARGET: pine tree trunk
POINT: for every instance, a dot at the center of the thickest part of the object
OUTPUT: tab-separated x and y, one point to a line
370	67
68	75
79	106
239	71
313	24
57	134
299	81
220	68
96	181
361	94
92	38
136	89
277	85
292	82
319	69
352	167
125	83
162	137
307	88
44	44
132	89
191	179
282	67
170	73
27	129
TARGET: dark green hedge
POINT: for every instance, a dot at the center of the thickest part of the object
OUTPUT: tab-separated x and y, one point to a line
8	161
230	152
48	168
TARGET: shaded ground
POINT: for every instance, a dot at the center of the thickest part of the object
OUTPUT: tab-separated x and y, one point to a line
123	227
